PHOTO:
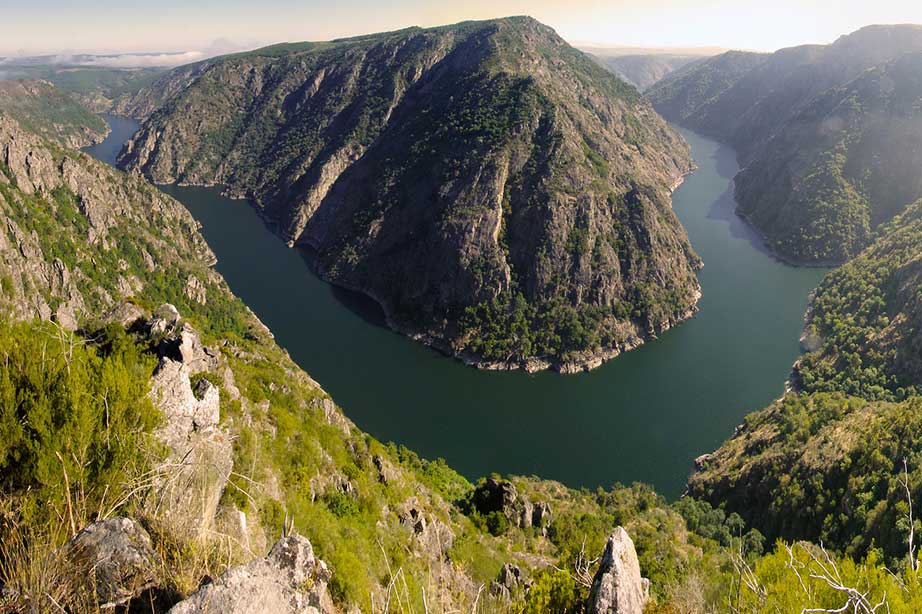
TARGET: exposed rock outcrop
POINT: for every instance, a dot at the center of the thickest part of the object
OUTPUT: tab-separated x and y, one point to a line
200	457
48	111
618	587
289	580
496	495
78	238
510	581
116	559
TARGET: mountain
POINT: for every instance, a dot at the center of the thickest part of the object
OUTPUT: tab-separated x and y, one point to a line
642	71
827	135
643	68
500	195
40	106
150	456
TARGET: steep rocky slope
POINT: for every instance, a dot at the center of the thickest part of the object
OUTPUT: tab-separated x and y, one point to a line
39	106
148	460
79	236
822	467
499	194
95	87
829	150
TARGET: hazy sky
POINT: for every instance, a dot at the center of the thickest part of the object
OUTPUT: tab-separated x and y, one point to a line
211	26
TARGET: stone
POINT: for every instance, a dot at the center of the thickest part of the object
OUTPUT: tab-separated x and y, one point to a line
618	587
165	319
125	314
386	472
193	477
509	580
116	558
290	579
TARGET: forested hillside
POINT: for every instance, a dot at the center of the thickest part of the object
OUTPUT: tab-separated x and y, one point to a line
828	135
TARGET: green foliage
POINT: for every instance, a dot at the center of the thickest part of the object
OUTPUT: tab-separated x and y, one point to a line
437	475
792	582
71	412
822	467
554	592
63	231
865	314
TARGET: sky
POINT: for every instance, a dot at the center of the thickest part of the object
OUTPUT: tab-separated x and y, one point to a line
209	27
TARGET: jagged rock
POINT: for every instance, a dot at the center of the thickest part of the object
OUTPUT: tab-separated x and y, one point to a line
184	411
386	471
541	517
434	536
184	344
64	316
702	461
496	496
509	580
617	587
290	579
501	496
165	319
196	290
116	558
200	460
332	415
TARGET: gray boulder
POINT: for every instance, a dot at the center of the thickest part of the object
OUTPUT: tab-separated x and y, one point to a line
617	587
116	558
289	580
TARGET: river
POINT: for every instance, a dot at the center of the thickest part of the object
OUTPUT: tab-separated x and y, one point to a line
642	417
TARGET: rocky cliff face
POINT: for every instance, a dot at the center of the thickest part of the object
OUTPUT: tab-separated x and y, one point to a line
77	237
828	136
500	195
40	107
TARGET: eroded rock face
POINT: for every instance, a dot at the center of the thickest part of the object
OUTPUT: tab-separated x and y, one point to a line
510	580
617	587
116	558
200	457
289	580
501	496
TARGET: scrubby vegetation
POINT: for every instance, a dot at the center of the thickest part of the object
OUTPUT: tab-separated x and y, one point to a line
865	318
828	136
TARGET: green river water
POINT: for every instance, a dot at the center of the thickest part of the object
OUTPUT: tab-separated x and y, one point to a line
641	417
